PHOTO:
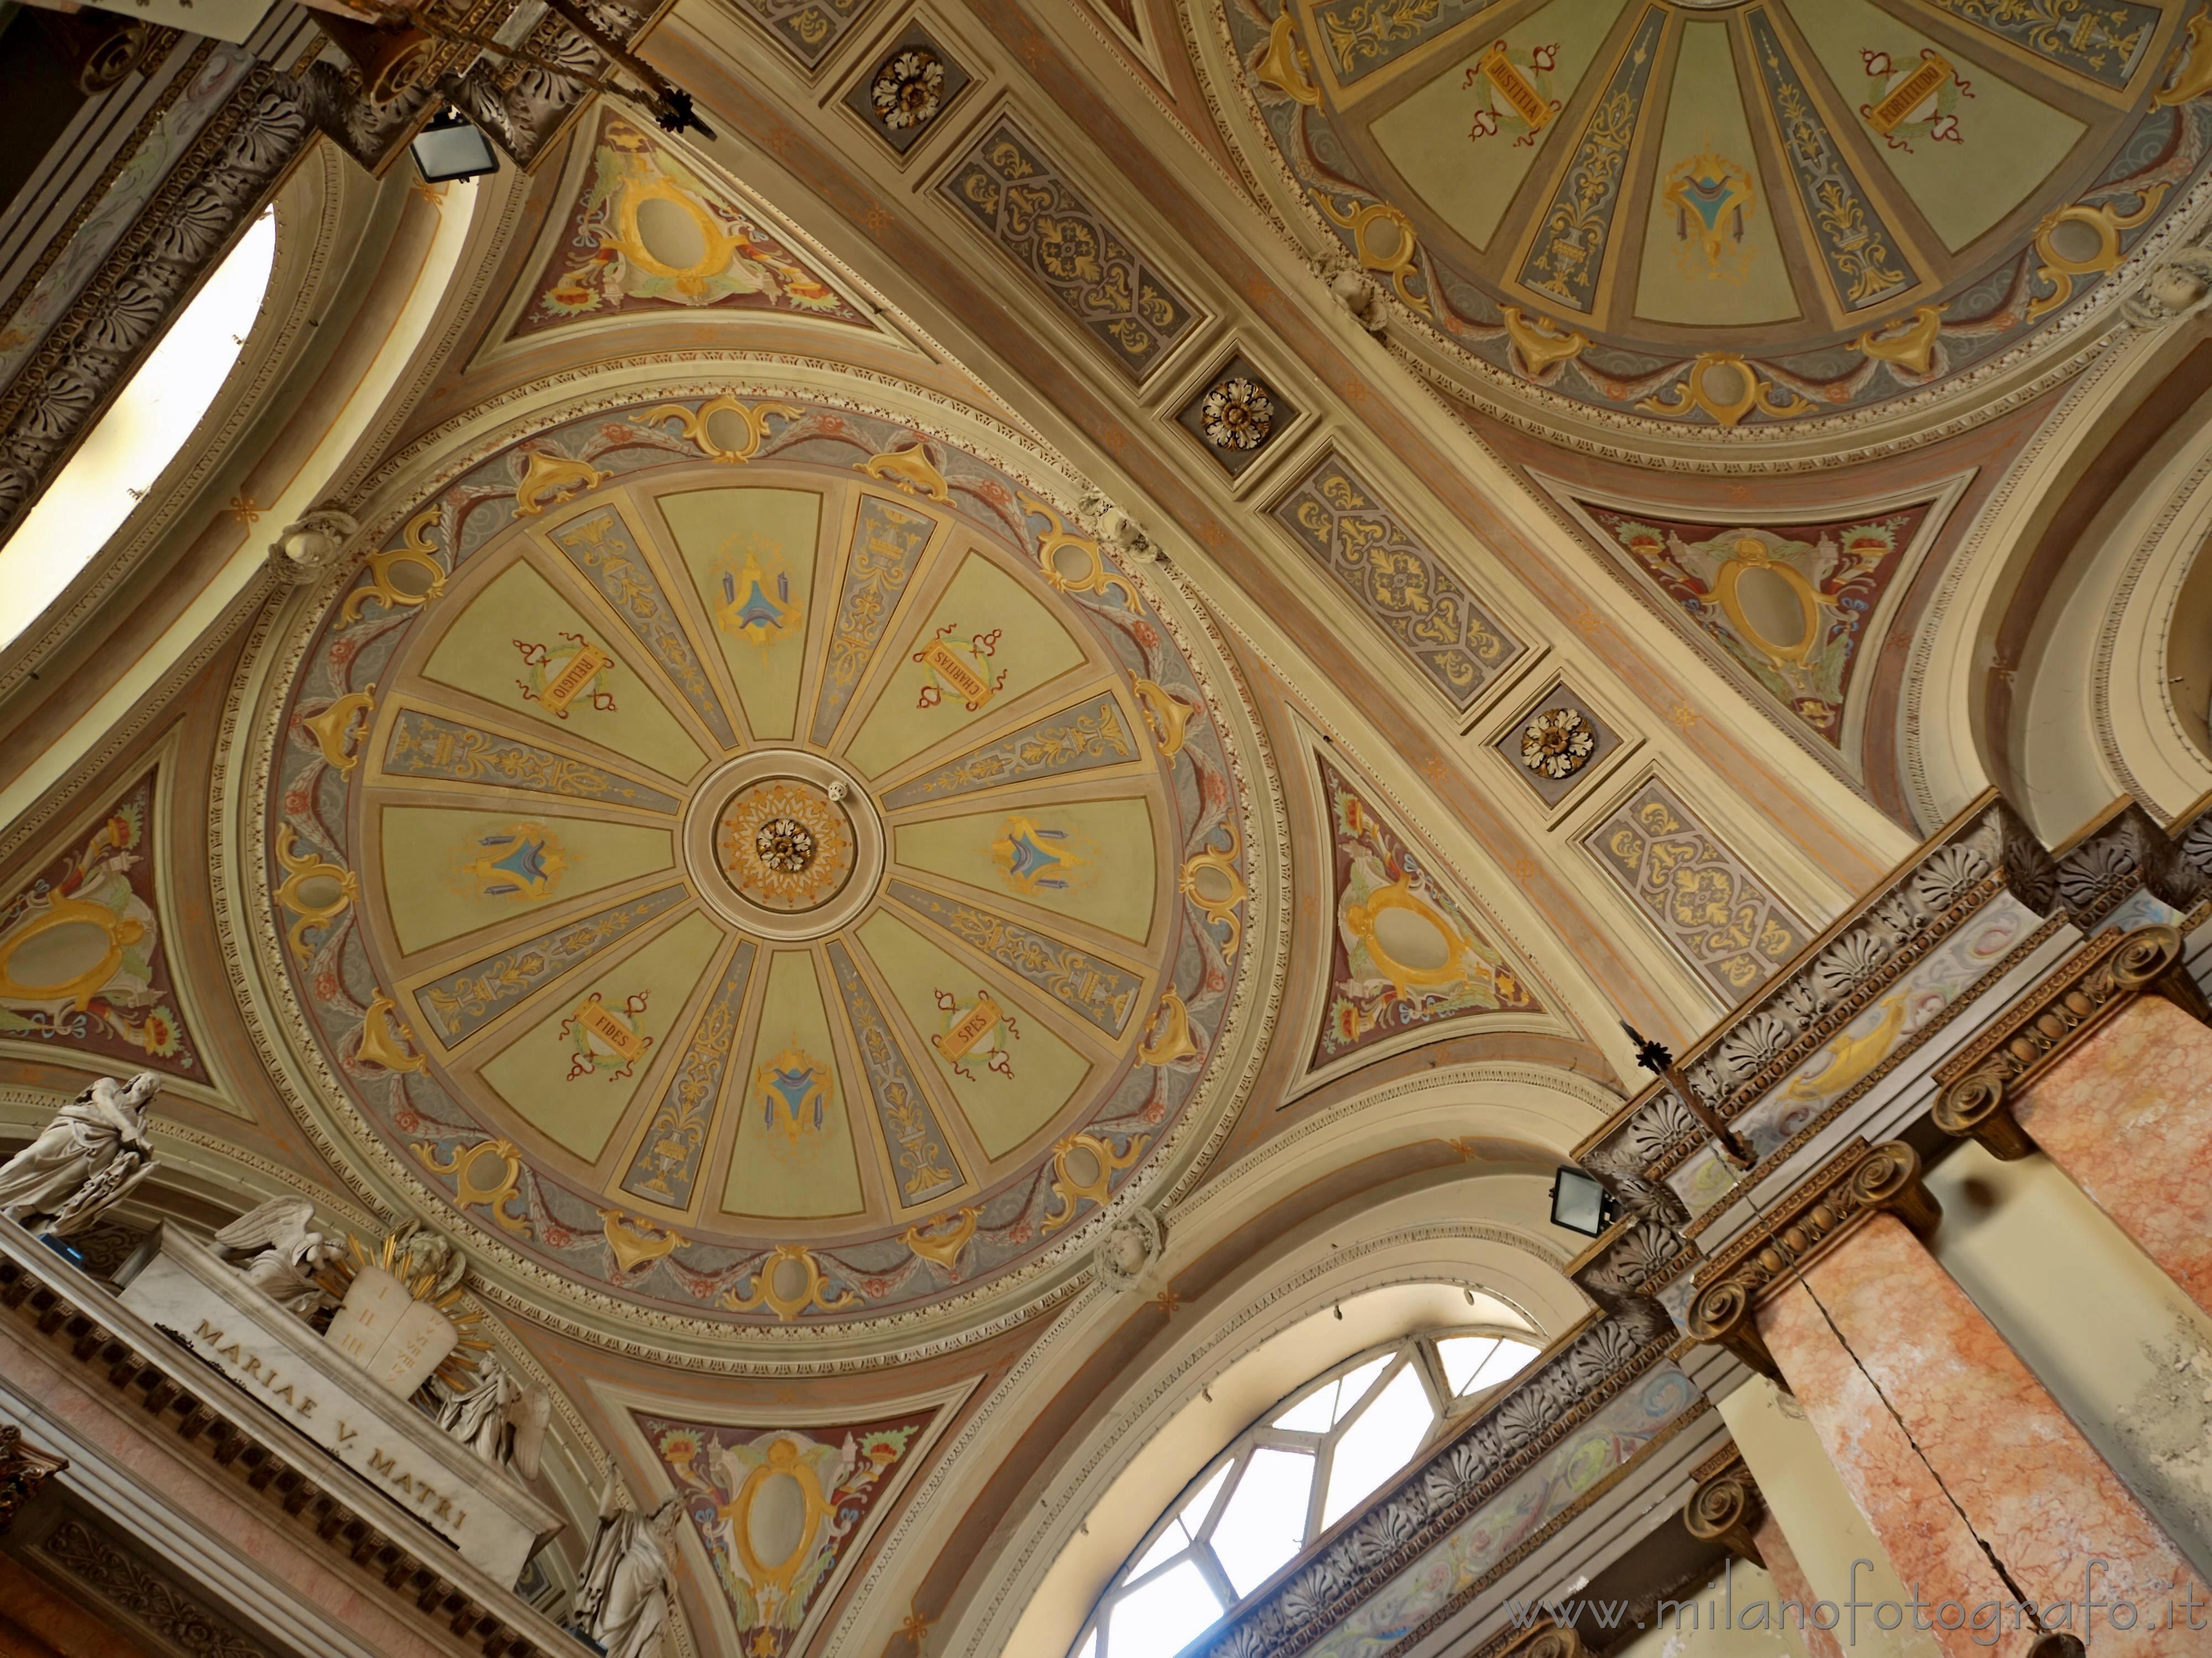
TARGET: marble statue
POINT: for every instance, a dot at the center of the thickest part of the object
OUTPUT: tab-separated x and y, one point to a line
621	1599
496	1416
421	1255
88	1159
283	1253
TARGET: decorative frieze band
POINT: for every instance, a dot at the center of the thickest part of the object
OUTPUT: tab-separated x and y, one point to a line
1988	852
2062	1012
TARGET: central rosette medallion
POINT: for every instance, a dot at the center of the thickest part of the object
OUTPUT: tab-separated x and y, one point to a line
785	843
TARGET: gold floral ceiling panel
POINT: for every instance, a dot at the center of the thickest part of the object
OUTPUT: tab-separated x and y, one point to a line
1712	215
757	860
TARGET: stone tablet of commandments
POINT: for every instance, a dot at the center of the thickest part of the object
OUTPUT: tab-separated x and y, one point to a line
395	1337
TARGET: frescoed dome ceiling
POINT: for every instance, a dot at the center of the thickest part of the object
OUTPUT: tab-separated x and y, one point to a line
1700	217
756	861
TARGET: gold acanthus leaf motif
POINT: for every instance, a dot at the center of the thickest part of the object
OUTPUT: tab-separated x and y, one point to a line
335	729
1541	342
386	1038
942	1237
1071	1189
909	470
1727	388
1283	64
2104	222
1910	346
2188	66
696	425
1166	713
1166	1038
635	1240
549	480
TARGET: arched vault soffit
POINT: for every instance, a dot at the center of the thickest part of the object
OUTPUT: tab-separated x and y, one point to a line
1724	232
740	855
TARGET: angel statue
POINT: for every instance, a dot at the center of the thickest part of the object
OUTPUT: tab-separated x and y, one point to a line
496	1416
283	1253
621	1599
87	1160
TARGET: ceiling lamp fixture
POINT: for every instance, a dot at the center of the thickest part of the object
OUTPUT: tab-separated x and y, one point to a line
1581	1205
452	147
671	106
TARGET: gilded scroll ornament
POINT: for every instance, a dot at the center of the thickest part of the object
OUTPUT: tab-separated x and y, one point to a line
909	469
2088	250
733	442
1383	238
790	1282
462	1165
1083	569
385	1040
1212	881
400	577
337	727
1083	1167
1727	388
315	891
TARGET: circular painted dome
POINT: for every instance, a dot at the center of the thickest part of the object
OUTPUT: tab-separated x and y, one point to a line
779	893
1736	216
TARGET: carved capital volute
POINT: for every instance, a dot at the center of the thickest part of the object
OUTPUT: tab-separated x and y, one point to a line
22	1471
1977	1106
1859	1182
1724	1315
1726	1508
2048	1023
1559	1640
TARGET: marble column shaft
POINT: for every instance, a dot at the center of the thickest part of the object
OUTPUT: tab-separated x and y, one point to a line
1981	1489
2128	1116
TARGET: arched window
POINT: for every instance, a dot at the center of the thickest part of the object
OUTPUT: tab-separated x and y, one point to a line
1312	1459
131	444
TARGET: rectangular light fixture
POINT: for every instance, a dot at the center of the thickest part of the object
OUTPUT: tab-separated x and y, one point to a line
1581	1205
450	147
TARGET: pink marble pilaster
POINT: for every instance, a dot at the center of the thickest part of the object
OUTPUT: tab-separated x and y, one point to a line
1979	1486
2128	1116
1791	1584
